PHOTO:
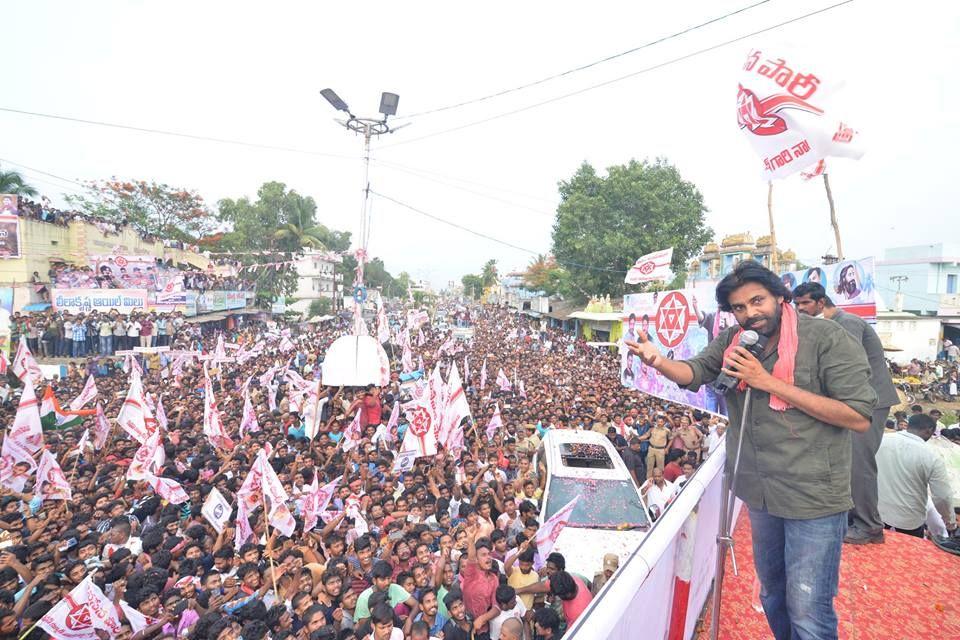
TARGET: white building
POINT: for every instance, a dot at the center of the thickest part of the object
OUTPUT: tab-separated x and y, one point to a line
317	277
912	335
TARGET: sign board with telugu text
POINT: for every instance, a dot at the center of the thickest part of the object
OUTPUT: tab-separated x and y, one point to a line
86	300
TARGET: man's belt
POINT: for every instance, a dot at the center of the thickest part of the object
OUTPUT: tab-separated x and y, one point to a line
656	447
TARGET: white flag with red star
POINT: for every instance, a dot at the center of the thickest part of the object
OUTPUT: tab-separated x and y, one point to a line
550	530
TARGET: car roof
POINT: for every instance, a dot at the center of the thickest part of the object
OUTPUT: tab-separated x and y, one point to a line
583	454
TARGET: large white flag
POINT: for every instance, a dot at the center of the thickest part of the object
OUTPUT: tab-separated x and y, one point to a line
25	365
317	501
263	486
135	416
354	433
550	530
51	483
83	610
421	434
783	107
483	375
11	454
27	430
457	406
651	268
217	509
138	621
89	393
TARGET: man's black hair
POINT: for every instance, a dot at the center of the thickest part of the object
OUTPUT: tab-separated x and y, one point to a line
557	560
563	586
816	292
921	422
547	618
750	271
381	569
504	594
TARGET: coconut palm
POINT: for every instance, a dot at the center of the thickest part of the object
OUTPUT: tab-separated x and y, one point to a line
292	234
12	182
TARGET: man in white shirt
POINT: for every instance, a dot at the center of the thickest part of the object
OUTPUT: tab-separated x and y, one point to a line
658	493
509	605
907	468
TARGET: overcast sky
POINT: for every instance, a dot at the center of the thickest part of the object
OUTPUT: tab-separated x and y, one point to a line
253	71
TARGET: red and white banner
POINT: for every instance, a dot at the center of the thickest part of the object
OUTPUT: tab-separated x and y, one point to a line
653	267
550	530
243	530
354	433
135	417
383	329
212	421
25	364
316	502
26	431
101	428
83	610
783	107
161	414
89	393
148	459
249	421
138	621
421	434
11	454
51	483
457	408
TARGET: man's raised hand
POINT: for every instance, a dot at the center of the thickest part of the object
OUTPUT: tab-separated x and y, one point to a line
644	349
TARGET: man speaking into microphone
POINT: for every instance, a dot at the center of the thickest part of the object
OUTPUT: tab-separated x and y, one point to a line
811	388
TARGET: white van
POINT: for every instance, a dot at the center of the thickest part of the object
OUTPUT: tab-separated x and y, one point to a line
611	516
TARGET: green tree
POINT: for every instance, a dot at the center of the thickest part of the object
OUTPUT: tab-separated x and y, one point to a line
489	273
544	274
276	227
13	183
319	307
151	207
402	284
604	224
472	285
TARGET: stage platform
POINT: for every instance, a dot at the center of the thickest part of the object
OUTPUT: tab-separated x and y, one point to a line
904	588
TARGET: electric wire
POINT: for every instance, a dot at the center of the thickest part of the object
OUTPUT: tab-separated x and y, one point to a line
583	67
605	83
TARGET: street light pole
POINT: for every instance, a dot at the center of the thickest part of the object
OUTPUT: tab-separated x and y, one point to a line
368	128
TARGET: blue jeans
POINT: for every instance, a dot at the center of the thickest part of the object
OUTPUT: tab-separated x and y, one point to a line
106	345
798	563
79	348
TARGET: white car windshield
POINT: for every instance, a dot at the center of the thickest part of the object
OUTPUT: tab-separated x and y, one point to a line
605	504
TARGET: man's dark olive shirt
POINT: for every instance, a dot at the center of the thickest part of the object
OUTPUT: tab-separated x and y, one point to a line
793	465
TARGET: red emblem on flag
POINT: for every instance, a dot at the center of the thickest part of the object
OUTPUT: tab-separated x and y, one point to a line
760	116
672	318
79	616
420	421
647	267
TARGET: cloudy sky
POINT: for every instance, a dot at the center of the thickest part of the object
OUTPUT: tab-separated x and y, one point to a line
252	72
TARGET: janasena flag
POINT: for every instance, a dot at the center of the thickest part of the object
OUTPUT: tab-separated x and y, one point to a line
651	267
784	108
81	613
549	531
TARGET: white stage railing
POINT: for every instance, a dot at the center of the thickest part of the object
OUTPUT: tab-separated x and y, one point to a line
660	590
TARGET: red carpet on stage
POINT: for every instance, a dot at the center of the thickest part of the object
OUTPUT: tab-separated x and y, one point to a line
904	588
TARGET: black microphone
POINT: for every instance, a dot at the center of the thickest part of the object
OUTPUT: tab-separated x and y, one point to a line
753	342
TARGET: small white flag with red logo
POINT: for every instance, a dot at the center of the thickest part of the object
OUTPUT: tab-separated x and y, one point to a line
27	431
317	501
354	433
135	416
25	365
101	428
652	267
550	530
89	393
83	610
169	490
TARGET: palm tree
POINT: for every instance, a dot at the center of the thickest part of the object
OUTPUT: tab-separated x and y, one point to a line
301	238
12	182
489	273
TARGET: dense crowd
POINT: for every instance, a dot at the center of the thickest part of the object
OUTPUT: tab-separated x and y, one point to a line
59	334
442	550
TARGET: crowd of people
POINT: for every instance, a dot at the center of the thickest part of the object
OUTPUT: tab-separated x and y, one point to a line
444	550
152	275
60	334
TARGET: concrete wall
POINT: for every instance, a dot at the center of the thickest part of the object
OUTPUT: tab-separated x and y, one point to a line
917	336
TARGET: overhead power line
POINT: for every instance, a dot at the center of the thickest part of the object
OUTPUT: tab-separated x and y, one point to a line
485	236
583	67
177	134
617	79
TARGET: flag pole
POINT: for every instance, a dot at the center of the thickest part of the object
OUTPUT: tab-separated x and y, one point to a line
833	215
266	522
773	231
30	630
